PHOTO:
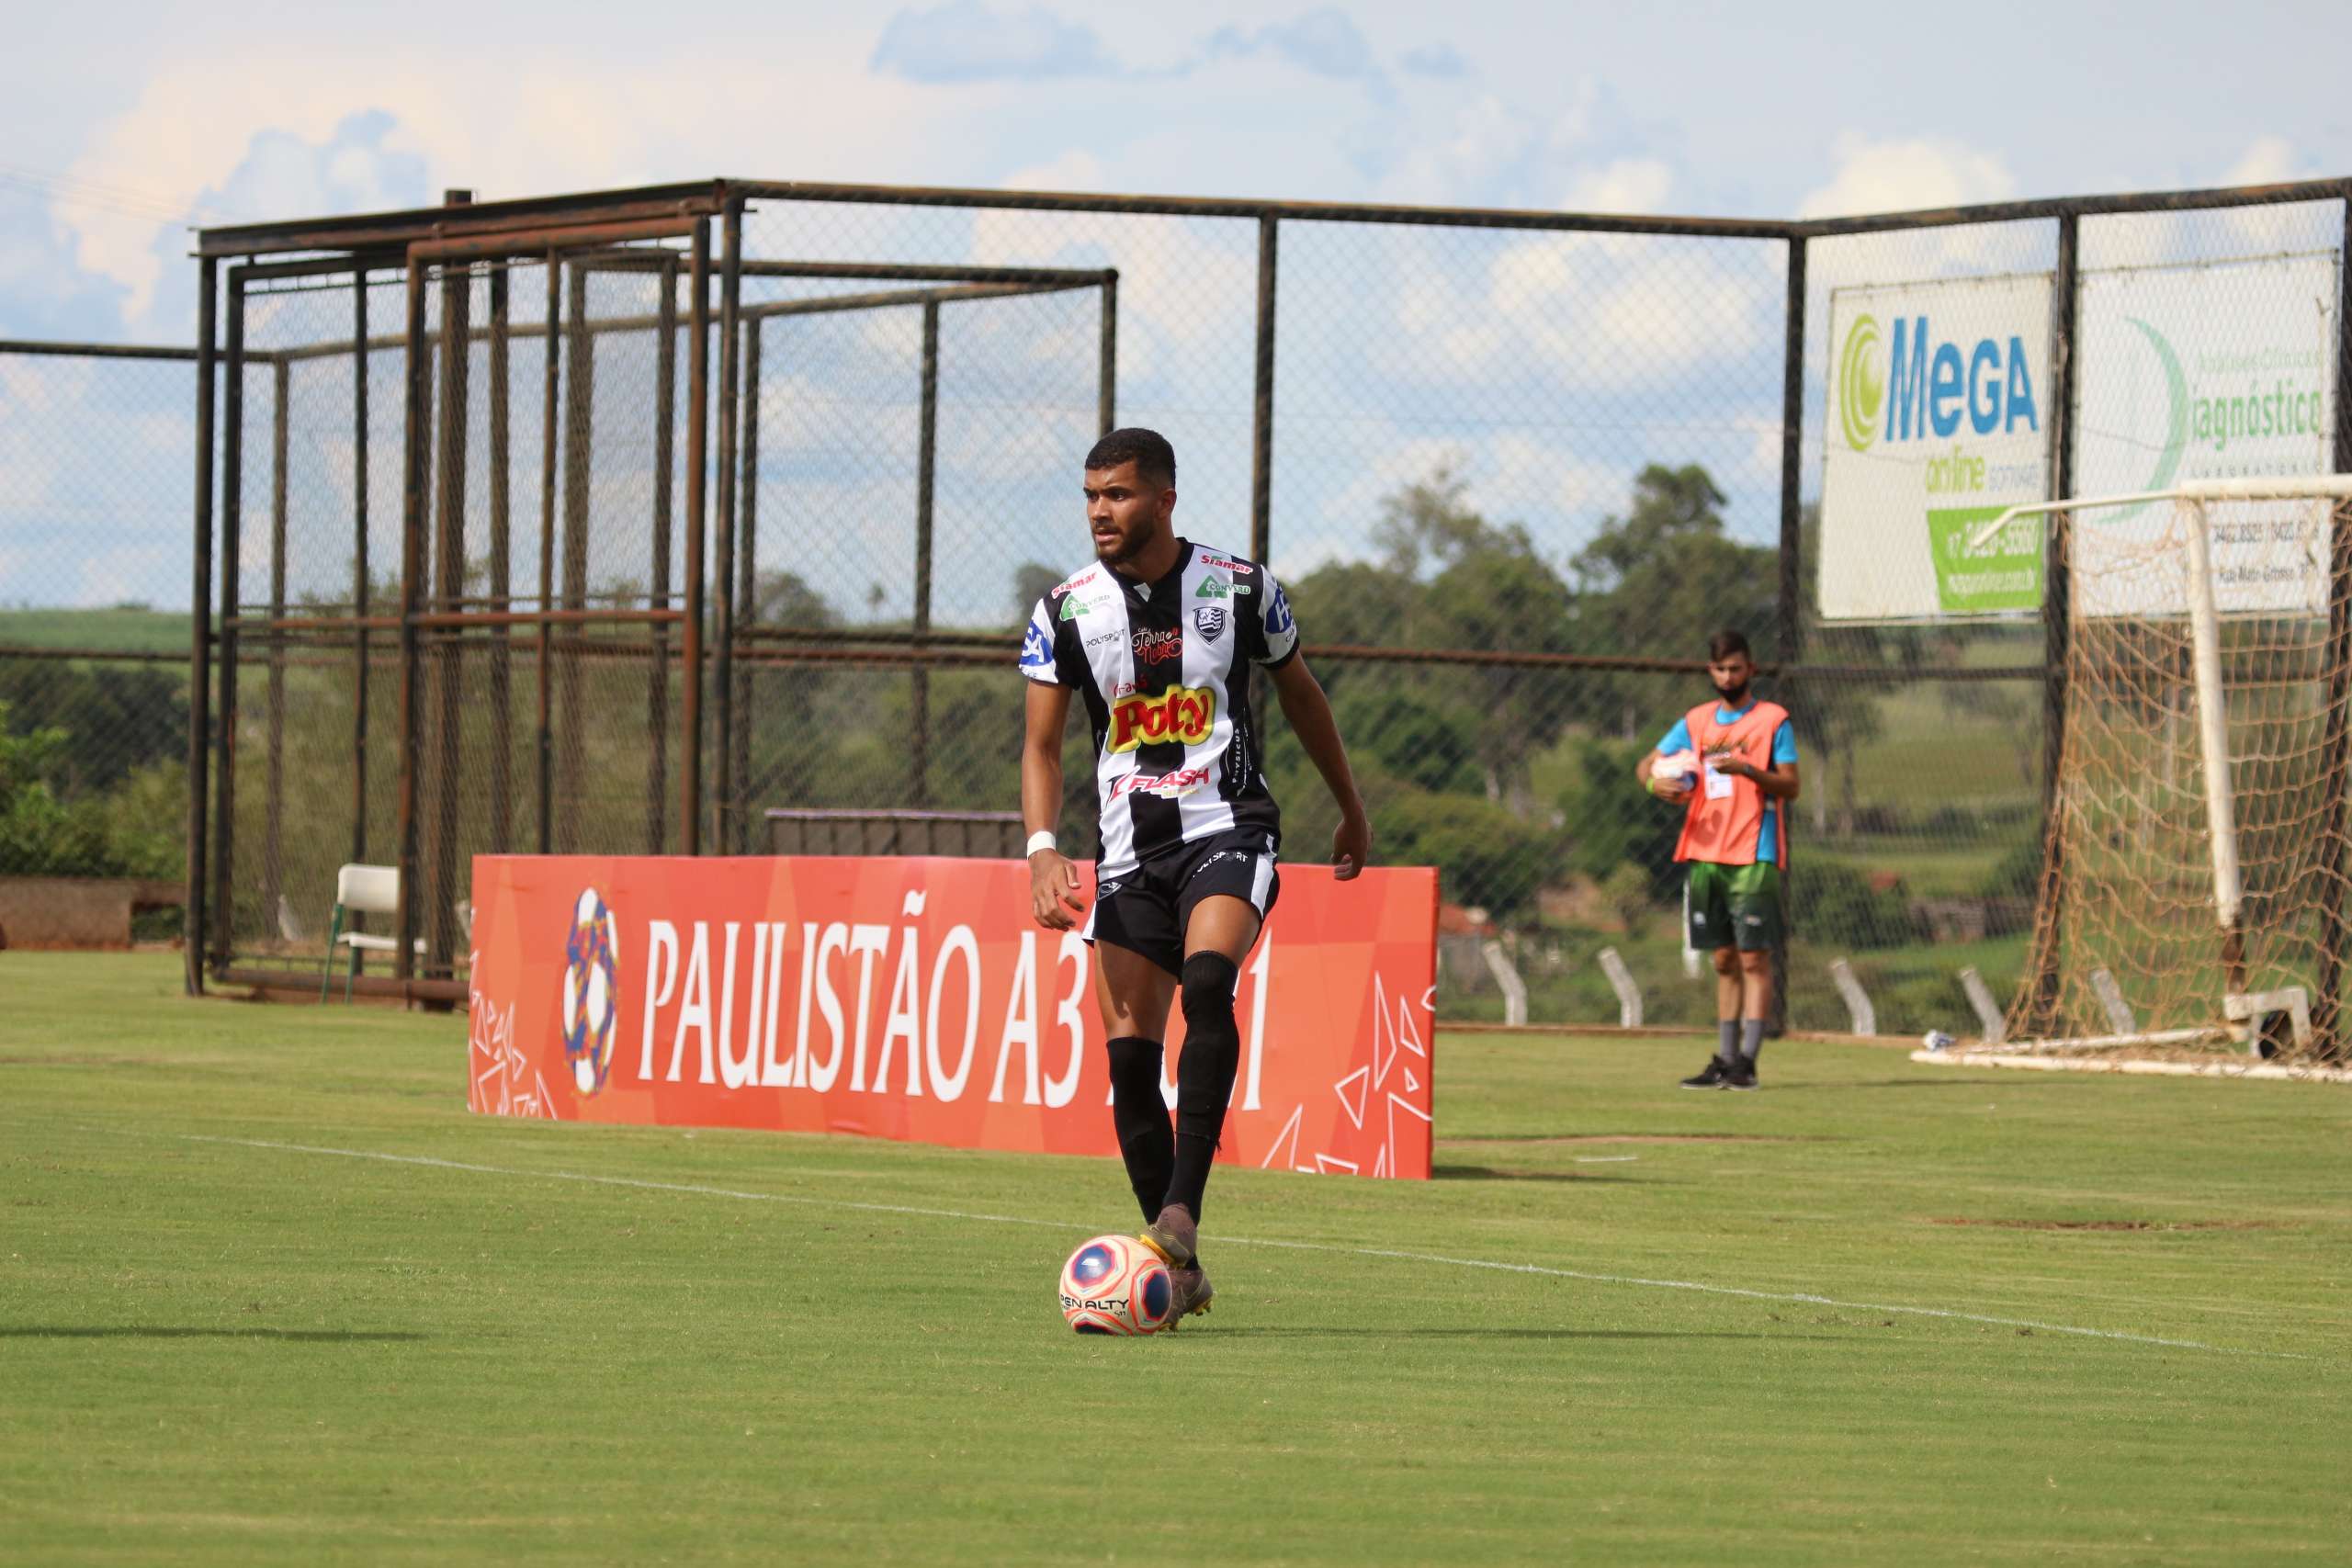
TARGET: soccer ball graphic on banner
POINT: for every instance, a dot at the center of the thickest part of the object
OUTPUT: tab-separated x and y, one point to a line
1115	1284
591	1002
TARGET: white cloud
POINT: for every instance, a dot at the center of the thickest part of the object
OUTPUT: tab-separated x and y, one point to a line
1905	176
1625	186
2267	160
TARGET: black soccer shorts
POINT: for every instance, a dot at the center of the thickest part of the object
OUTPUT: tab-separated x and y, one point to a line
1147	910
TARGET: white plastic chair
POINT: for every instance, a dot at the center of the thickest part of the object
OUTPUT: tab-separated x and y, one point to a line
366	890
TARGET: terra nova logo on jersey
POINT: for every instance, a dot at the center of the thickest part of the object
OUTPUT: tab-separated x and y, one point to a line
1904	382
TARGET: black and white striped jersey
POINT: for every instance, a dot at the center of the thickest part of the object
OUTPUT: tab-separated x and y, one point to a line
1164	669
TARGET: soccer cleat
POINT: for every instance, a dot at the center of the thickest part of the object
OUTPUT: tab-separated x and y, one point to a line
1173	1235
1714	1075
1740	1075
1188	1292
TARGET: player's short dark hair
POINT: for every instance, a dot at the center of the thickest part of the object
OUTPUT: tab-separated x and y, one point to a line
1154	458
1725	643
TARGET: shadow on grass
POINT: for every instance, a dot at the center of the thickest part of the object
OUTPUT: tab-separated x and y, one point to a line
1306	1333
1492	1173
304	1336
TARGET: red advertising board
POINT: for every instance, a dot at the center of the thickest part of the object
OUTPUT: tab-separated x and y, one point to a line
914	999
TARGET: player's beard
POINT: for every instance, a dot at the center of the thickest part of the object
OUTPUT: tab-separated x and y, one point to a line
1124	547
1736	697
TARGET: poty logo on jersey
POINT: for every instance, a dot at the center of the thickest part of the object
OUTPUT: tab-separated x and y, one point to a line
1926	388
1167	787
1153	646
1186	714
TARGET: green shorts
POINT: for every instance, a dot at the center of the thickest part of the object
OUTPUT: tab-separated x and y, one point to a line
1734	906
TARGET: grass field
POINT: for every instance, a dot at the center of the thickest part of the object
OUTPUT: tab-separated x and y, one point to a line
268	1294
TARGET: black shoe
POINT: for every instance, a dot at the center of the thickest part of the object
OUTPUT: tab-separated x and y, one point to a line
1714	1075
1740	1075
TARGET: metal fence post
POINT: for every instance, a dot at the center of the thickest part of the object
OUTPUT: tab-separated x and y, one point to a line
1106	381
926	468
731	298
544	839
657	691
747	569
274	786
1790	599
1261	417
698	516
502	575
360	586
232	481
448	589
2056	623
193	934
417	454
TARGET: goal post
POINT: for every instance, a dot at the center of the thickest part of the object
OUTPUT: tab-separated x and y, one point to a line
2195	848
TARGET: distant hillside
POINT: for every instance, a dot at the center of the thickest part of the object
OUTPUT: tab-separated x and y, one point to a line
128	630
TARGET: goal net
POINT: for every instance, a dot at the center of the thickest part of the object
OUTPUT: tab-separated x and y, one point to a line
2193	891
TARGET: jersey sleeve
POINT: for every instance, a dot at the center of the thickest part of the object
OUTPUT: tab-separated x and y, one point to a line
1278	632
1784	743
1037	649
1677	739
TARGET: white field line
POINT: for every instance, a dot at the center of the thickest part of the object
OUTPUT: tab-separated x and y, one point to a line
1791	1298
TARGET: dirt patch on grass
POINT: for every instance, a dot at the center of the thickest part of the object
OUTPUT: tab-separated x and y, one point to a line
2108	1224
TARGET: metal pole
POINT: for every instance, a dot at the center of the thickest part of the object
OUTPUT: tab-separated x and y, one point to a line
419	370
1261	418
578	419
502	575
697	466
2327	1001
359	568
747	569
1792	586
232	484
543	839
730	287
657	691
926	469
274	789
2057	629
193	935
449	586
2214	746
1106	375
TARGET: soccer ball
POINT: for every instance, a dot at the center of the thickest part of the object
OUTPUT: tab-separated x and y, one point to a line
591	983
1115	1284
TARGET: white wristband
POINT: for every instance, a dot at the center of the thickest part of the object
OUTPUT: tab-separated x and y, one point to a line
1043	838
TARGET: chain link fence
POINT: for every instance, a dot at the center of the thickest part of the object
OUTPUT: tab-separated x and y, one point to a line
96	447
1514	469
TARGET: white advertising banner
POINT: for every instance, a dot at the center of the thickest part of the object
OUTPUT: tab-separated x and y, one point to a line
2222	370
1939	422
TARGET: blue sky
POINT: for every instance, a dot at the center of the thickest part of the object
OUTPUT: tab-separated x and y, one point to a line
124	125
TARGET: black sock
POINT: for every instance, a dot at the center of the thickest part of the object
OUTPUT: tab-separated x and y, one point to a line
1146	1141
1203	1073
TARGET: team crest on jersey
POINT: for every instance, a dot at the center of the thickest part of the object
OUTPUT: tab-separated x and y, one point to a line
1210	620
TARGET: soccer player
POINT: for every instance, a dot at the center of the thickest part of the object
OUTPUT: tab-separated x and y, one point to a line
1733	762
1157	637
